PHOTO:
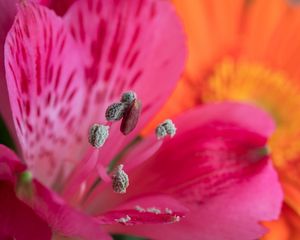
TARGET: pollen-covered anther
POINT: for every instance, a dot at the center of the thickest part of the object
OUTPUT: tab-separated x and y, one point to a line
98	134
153	210
128	97
123	220
115	111
120	180
140	209
168	211
165	128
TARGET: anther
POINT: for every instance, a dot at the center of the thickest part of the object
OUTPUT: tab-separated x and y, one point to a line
128	97
120	180
98	135
131	117
115	111
139	209
123	219
165	128
168	211
153	210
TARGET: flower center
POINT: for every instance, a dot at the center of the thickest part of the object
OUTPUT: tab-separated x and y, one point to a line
273	91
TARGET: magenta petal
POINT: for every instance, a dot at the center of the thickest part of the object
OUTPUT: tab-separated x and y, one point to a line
134	217
234	215
151	209
43	207
19	221
8	12
127	45
44	80
243	115
62	218
59	6
10	164
218	166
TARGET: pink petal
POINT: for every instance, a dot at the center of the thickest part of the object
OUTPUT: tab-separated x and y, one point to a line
8	11
144	149
43	207
62	218
245	116
152	209
59	6
9	164
233	215
216	165
18	221
130	45
43	79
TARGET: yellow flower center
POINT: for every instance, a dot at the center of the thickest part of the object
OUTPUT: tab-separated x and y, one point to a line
268	89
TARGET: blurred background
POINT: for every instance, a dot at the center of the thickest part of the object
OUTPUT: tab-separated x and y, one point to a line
246	51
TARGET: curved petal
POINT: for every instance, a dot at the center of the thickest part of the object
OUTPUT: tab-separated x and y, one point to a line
8	12
152	209
43	79
9	164
59	6
234	215
216	165
131	45
39	208
62	218
18	221
229	112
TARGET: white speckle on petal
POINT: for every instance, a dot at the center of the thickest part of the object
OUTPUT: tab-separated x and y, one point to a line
153	210
168	211
123	220
139	209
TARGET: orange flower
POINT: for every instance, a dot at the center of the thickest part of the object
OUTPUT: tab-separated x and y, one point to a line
249	51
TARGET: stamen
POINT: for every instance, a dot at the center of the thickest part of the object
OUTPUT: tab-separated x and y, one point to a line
165	128
115	111
153	210
168	211
139	209
120	180
123	219
98	135
129	109
128	97
131	117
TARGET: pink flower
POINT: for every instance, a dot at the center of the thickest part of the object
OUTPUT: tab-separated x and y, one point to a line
212	180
